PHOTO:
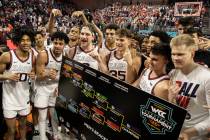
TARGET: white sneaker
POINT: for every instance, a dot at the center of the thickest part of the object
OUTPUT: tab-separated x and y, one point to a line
58	137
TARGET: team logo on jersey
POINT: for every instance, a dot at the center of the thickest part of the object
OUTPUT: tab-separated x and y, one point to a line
188	89
157	117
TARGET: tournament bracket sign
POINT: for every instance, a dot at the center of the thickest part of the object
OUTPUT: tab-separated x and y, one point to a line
100	107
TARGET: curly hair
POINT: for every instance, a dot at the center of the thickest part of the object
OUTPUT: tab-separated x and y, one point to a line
19	32
61	36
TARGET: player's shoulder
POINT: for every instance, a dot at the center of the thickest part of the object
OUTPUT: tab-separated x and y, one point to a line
42	53
5	57
203	72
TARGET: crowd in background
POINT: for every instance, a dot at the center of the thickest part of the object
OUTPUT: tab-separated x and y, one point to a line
136	17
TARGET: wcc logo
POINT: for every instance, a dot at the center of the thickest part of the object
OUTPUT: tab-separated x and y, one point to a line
157	117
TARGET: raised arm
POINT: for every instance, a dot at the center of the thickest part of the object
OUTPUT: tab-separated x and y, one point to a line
52	19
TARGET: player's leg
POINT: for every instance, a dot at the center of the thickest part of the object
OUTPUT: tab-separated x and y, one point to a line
41	102
22	122
10	119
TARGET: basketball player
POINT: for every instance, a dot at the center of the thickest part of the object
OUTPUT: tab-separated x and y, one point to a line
190	88
47	67
87	53
120	62
184	24
157	37
109	42
74	36
134	47
154	38
85	21
16	67
39	46
51	24
154	80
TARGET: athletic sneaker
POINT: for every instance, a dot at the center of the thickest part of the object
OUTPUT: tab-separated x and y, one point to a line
36	133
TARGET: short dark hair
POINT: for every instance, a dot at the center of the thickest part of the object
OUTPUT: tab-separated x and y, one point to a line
164	50
18	32
111	26
137	37
163	36
39	33
193	30
123	33
186	21
61	36
75	26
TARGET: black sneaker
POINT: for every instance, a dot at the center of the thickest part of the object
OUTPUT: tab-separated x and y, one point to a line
35	133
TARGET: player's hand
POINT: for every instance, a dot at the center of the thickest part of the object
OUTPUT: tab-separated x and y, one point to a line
56	92
184	136
127	56
173	91
52	74
56	12
12	76
77	13
32	75
206	107
147	62
95	55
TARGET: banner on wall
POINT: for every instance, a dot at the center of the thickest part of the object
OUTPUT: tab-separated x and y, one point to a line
95	106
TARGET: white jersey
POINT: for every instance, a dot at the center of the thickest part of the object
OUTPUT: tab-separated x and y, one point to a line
84	57
105	49
148	84
16	94
66	50
117	67
196	87
48	86
35	52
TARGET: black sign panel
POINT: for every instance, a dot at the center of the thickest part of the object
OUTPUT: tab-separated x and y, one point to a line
96	106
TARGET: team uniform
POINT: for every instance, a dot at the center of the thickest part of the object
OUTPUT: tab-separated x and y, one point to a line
45	90
33	83
35	52
194	93
16	94
105	50
117	67
148	84
84	57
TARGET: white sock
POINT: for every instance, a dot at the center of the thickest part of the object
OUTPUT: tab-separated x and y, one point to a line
42	123
36	127
54	121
